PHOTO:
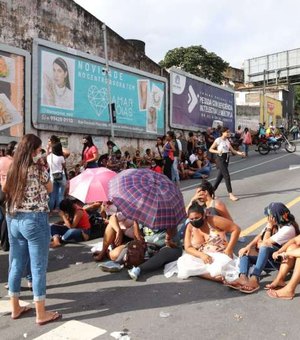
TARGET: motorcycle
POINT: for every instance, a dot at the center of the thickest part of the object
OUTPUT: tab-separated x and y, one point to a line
266	144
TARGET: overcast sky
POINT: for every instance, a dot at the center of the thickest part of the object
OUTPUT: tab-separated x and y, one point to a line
235	30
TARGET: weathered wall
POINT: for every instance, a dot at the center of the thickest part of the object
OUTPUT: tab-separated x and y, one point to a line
66	23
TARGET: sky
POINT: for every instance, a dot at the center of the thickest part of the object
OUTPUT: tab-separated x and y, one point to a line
235	30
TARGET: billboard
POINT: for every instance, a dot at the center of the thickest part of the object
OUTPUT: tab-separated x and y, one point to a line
196	103
12	93
270	110
73	94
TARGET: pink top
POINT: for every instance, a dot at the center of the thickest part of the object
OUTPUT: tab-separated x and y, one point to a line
5	163
89	153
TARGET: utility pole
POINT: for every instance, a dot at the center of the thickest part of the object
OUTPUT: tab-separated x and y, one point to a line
108	83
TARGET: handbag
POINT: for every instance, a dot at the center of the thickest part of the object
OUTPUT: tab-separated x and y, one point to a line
57	176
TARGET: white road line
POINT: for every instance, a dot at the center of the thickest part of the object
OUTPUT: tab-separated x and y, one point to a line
294	167
74	330
238	171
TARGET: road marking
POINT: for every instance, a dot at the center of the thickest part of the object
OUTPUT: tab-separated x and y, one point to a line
74	330
237	171
294	167
5	305
262	221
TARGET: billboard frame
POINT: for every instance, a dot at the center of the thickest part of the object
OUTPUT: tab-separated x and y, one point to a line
37	43
173	70
27	90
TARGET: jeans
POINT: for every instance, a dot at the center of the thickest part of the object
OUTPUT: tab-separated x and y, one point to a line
175	172
68	234
263	261
57	193
91	165
203	171
29	236
246	148
222	165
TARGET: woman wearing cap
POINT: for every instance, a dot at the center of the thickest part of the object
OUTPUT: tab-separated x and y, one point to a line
222	147
281	227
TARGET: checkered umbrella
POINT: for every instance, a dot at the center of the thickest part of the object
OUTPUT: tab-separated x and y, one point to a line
147	197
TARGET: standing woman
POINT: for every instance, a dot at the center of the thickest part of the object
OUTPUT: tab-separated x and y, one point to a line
168	154
29	232
246	140
57	166
222	147
90	153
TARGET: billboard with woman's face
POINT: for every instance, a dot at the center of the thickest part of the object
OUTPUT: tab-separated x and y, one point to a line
12	93
74	91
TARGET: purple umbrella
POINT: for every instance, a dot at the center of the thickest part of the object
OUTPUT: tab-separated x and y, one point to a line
147	197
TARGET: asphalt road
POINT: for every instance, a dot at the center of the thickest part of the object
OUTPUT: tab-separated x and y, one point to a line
95	304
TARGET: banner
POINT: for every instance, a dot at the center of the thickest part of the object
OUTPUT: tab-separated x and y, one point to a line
12	94
74	92
197	103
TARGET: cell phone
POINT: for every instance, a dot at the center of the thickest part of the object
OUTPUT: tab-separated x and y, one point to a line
279	259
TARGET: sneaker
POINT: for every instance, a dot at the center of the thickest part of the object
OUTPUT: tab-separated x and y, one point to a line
134	273
111	267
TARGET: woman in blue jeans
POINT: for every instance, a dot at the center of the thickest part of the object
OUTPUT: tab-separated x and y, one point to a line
281	227
76	227
29	232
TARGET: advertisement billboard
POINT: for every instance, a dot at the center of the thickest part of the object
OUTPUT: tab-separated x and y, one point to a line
196	103
12	93
73	94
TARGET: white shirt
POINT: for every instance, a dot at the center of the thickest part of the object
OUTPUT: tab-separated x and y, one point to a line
223	145
193	158
284	234
55	163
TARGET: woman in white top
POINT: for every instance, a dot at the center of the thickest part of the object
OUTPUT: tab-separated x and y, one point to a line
56	162
222	147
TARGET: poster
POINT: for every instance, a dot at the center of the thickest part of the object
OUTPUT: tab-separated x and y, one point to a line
12	94
197	103
73	92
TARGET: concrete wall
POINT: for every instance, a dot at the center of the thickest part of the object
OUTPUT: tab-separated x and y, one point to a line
66	23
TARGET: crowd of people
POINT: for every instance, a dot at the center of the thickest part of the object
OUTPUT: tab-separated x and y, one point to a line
202	245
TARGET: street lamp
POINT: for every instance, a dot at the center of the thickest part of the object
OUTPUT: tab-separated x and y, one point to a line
108	83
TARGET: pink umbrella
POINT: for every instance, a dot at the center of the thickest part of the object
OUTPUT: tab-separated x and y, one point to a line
91	185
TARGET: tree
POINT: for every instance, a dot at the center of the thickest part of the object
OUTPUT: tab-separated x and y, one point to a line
198	61
297	97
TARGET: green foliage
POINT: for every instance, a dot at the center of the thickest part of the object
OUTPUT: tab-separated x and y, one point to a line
198	61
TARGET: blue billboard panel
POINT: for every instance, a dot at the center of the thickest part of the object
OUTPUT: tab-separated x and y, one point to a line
74	92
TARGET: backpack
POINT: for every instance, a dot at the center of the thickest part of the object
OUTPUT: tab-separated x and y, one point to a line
97	226
135	254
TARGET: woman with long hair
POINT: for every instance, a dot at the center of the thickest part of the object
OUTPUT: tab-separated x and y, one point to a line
57	164
90	153
29	232
222	147
76	227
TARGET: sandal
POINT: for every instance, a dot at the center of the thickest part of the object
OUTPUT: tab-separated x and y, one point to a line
274	294
249	289
233	285
56	316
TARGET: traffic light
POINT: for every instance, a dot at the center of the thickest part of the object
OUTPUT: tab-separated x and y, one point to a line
113	112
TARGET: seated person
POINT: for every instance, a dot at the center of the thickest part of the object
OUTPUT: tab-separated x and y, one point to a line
137	159
156	167
115	162
76	225
290	255
167	249
205	236
118	231
279	218
147	159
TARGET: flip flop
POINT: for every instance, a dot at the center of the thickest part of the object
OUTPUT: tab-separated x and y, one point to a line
56	316
274	295
249	290
23	311
270	286
236	286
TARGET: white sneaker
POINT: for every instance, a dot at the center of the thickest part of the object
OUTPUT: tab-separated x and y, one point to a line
134	273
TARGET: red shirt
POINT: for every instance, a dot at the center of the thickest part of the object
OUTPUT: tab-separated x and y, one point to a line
84	222
89	153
